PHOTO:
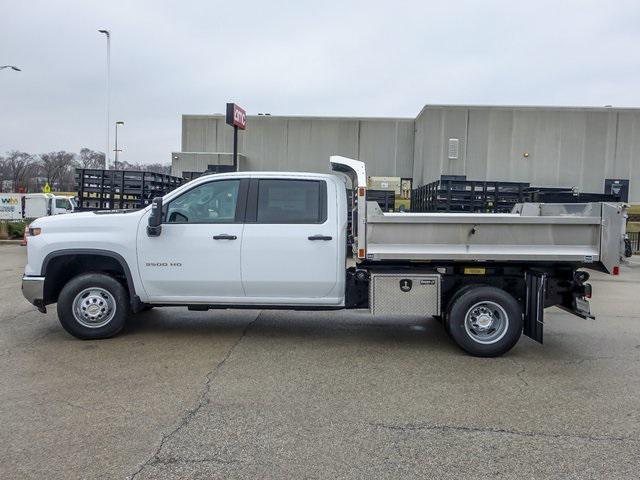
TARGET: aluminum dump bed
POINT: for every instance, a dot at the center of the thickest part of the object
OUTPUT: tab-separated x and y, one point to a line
588	233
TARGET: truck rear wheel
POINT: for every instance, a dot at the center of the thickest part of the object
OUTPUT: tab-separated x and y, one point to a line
93	306
485	321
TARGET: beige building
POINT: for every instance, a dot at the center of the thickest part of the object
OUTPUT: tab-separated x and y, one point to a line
547	146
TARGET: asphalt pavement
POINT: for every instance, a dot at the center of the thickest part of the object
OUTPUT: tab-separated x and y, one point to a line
269	394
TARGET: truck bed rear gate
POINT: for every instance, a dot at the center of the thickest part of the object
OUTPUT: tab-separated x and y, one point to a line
536	286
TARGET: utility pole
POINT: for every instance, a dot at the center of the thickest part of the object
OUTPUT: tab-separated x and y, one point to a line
120	122
108	101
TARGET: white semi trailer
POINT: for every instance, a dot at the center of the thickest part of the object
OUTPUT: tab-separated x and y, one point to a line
11	206
277	240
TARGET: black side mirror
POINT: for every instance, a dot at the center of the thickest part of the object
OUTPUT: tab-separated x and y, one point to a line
155	219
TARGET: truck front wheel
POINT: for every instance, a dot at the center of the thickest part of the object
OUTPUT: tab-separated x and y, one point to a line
485	321
92	306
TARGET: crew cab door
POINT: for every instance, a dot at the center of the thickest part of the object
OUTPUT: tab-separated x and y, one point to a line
196	257
291	247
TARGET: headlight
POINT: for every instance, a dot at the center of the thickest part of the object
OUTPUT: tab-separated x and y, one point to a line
34	231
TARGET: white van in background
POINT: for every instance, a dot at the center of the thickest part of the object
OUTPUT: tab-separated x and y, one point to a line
17	206
44	204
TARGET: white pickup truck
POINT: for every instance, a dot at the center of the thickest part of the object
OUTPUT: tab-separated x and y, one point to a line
278	240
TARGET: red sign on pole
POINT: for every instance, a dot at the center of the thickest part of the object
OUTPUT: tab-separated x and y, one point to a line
236	116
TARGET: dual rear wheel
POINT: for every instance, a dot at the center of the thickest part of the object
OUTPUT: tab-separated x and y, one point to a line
484	321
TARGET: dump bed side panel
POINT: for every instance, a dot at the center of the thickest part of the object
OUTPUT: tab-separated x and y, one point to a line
534	232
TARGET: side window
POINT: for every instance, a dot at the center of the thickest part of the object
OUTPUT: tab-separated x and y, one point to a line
291	201
213	202
63	203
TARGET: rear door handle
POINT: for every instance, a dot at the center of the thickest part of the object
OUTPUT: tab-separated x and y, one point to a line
224	236
319	237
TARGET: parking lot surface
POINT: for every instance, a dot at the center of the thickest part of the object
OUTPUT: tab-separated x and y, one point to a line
268	394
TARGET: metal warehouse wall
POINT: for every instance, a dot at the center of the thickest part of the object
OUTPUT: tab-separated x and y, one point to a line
305	143
566	146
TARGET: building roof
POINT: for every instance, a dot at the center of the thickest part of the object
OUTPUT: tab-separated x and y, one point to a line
428	106
607	108
304	117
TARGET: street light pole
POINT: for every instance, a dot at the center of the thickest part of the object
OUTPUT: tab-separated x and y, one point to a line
12	67
116	149
106	153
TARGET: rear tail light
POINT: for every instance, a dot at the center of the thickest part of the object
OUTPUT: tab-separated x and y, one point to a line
616	270
587	290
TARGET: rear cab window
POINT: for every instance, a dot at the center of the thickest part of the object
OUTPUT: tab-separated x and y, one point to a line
292	201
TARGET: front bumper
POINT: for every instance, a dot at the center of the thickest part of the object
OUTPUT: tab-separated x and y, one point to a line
33	291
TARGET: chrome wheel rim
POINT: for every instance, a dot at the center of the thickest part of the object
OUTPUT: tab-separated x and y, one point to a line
94	307
486	322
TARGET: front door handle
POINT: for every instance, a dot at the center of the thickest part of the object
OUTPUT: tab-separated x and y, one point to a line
224	236
319	237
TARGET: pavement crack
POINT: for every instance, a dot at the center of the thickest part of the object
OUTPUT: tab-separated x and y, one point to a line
72	405
176	460
202	401
520	373
580	361
16	315
503	431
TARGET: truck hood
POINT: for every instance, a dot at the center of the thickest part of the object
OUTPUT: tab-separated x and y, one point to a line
91	221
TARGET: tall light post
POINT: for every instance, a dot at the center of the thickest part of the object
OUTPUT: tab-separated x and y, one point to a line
12	67
118	123
106	153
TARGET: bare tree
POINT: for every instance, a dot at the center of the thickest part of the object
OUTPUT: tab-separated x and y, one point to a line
124	165
55	166
17	167
90	159
151	167
3	173
158	168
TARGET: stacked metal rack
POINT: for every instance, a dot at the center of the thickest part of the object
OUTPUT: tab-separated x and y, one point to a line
568	195
121	189
457	194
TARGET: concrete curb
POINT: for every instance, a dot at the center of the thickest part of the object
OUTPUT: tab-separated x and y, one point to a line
10	242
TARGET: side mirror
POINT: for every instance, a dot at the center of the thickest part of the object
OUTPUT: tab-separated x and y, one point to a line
155	219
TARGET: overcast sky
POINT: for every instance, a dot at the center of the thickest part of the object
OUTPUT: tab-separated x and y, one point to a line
346	58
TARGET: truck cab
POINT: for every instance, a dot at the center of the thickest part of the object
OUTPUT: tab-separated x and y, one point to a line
260	239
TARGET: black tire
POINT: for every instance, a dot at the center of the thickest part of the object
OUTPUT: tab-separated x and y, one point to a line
100	282
456	294
495	304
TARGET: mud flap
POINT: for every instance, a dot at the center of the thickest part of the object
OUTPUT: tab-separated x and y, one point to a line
536	285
